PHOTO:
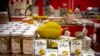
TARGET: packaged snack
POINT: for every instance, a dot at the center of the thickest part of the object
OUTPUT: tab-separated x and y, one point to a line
63	48
76	47
40	47
88	52
52	43
52	52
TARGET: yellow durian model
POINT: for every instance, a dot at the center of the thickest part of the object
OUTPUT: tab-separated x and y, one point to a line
50	30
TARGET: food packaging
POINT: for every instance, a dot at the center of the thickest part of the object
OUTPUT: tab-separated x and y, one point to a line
40	47
63	48
76	47
52	52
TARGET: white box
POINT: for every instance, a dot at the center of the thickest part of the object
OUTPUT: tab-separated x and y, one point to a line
76	47
88	52
52	52
63	48
40	47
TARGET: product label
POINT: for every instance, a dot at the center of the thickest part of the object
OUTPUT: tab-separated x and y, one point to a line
15	42
28	46
52	52
76	47
40	47
4	45
63	48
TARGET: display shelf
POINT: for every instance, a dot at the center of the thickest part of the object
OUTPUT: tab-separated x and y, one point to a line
75	28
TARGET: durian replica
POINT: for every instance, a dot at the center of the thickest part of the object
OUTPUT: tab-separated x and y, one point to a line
50	30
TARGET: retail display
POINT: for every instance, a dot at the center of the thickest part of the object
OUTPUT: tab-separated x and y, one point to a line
50	28
44	38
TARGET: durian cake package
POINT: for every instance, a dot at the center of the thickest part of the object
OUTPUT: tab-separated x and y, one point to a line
88	52
52	52
63	48
76	47
52	43
40	47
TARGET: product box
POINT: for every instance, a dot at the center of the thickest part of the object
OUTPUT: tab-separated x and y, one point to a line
52	52
52	43
88	52
76	47
40	47
63	48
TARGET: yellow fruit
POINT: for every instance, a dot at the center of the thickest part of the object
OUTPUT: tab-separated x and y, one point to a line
50	30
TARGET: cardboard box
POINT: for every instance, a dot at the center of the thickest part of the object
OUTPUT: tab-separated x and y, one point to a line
40	47
63	48
76	47
52	52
